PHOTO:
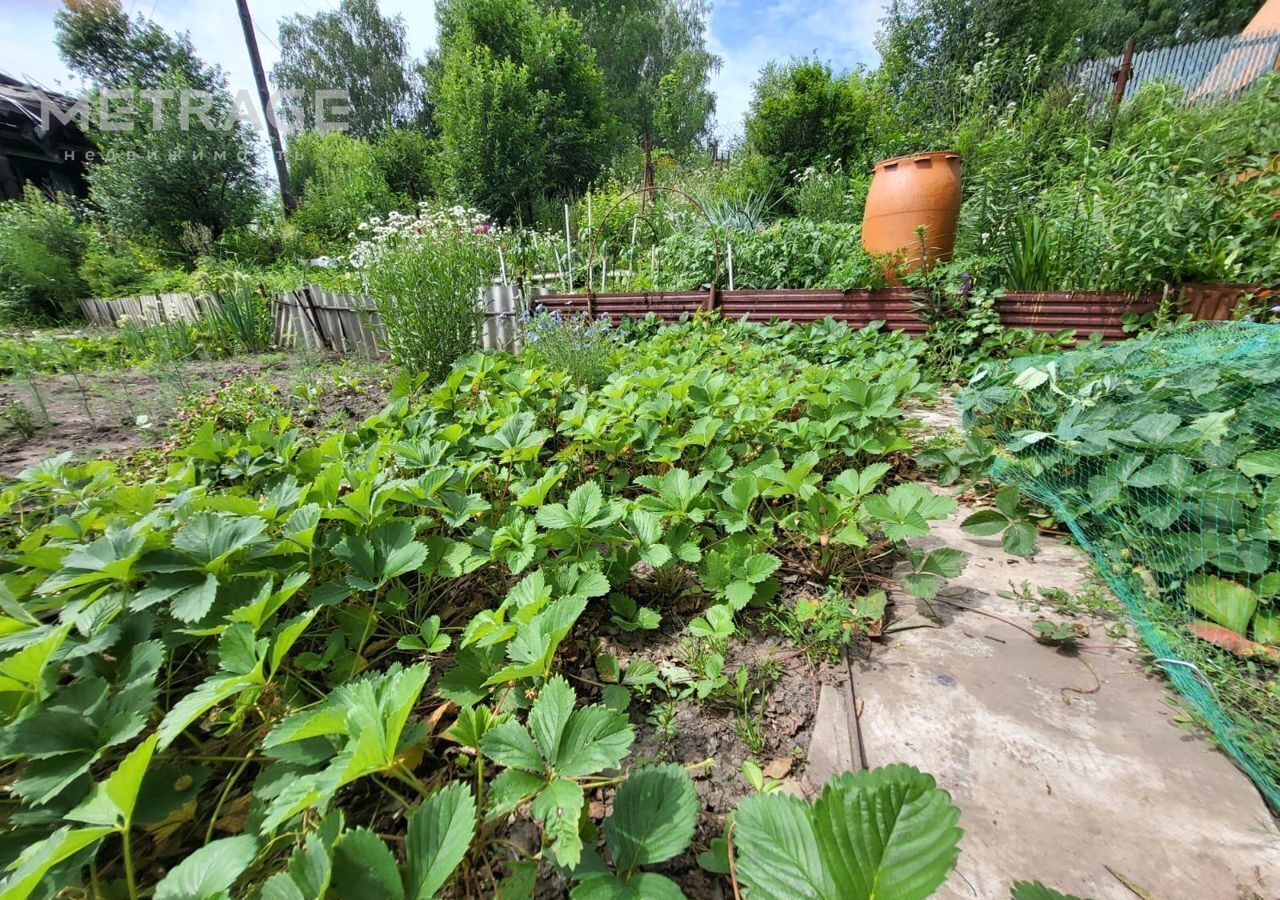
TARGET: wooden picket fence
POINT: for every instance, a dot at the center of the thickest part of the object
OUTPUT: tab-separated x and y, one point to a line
147	309
317	319
312	317
1207	71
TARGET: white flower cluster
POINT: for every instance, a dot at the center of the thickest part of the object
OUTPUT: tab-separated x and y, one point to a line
399	229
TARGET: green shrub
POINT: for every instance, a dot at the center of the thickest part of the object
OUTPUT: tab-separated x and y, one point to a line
803	113
425	280
258	243
825	192
794	253
339	185
110	272
1177	194
41	246
406	159
115	267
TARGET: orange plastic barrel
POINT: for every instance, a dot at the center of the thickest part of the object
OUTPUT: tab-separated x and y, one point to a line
907	192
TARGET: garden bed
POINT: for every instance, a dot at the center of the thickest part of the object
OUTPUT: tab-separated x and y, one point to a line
114	412
1087	312
663	570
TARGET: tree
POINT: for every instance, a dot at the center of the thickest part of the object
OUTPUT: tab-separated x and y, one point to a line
656	66
406	159
339	186
929	47
175	179
98	41
357	49
1161	23
179	188
519	103
802	113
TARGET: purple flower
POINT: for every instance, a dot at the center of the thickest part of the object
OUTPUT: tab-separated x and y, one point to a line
482	228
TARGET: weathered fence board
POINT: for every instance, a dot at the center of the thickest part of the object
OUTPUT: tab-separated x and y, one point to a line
312	317
149	309
1210	70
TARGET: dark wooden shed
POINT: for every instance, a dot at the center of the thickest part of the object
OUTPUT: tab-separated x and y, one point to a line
41	142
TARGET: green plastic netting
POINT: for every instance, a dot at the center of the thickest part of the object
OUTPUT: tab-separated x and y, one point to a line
1161	455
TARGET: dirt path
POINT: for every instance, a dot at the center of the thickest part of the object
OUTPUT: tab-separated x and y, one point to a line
119	411
1079	776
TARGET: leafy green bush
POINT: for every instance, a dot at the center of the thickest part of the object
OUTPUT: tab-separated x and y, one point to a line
406	158
1177	194
339	185
113	268
41	246
425	278
824	192
803	113
793	253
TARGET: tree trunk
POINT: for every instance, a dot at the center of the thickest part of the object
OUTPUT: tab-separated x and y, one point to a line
648	168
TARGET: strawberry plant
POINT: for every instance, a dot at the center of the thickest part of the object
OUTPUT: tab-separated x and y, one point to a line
1160	454
335	664
852	843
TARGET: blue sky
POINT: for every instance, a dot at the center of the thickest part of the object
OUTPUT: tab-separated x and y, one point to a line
748	33
745	33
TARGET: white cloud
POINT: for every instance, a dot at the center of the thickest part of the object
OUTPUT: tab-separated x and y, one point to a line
748	33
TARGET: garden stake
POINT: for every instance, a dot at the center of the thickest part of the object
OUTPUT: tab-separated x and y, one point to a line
568	247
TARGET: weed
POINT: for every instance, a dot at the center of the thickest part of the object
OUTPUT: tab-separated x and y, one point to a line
821	626
663	720
16	416
1092	600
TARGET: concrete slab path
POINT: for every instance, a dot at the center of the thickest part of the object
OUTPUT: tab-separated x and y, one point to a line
1078	790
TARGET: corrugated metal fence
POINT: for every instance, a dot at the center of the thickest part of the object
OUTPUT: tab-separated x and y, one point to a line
1085	311
1209	70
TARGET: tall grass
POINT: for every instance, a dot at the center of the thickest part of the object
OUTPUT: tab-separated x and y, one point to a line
165	341
1031	261
240	319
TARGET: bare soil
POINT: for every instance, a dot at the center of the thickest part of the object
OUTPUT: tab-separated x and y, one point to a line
706	735
114	413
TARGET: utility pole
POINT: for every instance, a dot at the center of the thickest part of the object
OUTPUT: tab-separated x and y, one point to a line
264	95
